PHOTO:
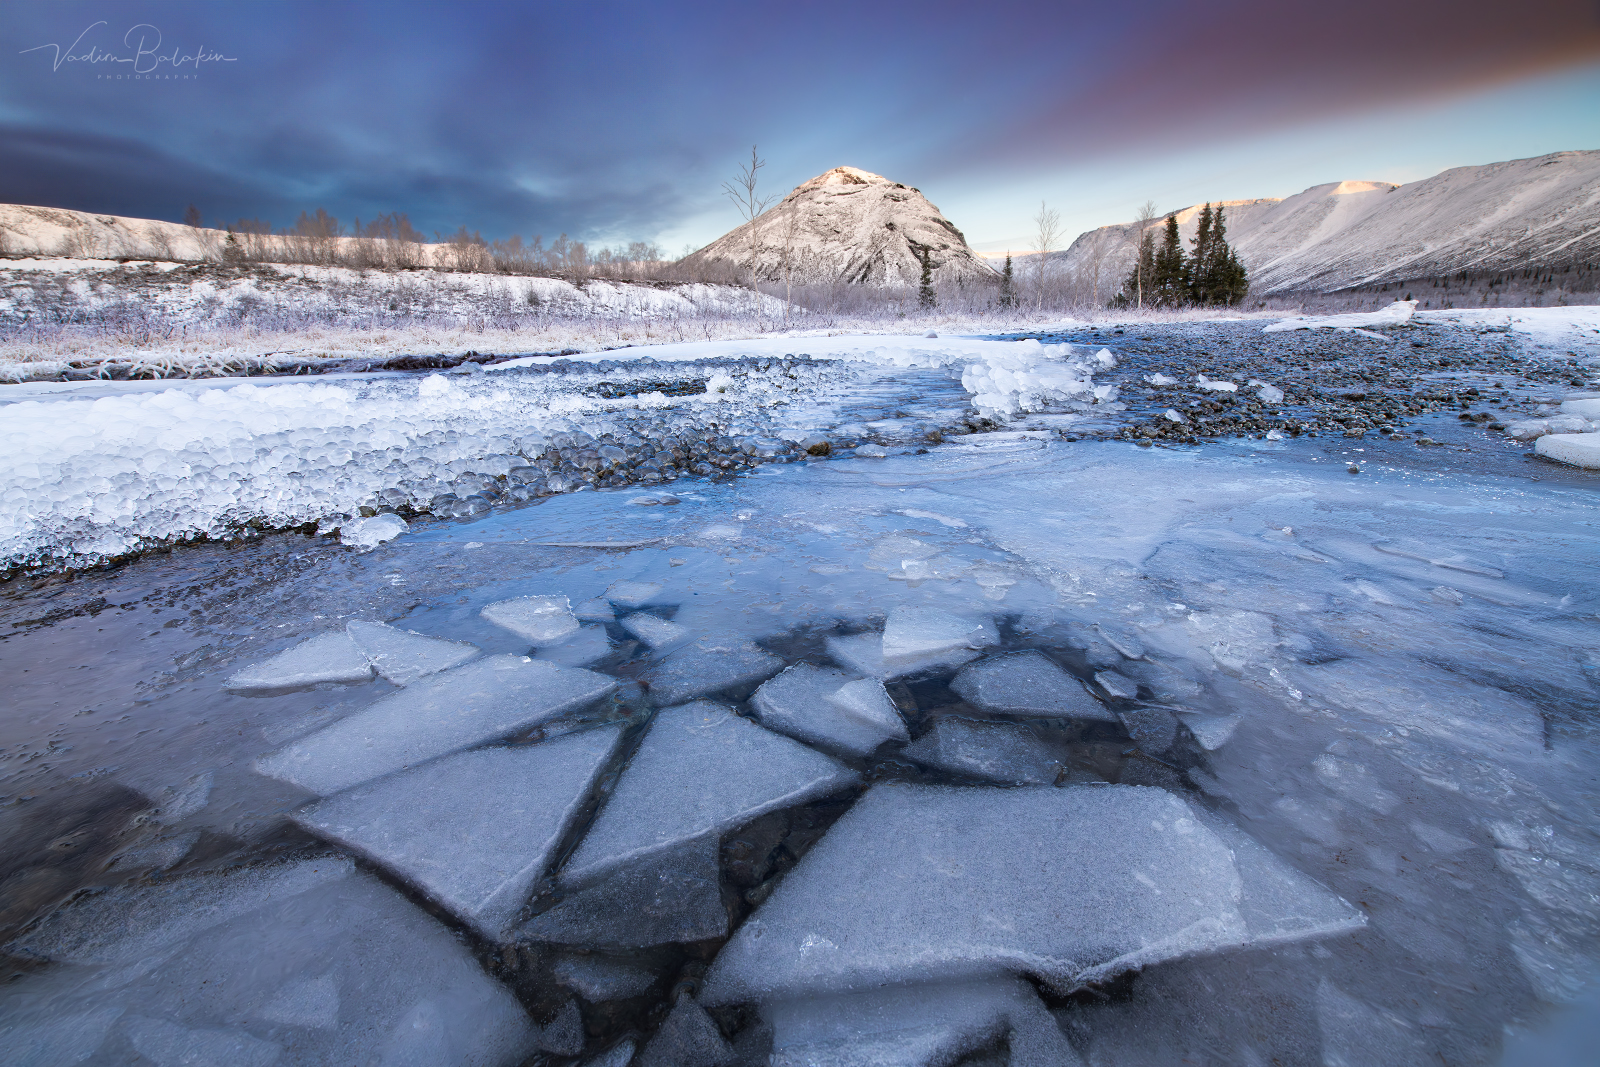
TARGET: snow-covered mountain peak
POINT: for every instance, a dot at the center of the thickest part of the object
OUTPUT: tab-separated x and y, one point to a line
842	176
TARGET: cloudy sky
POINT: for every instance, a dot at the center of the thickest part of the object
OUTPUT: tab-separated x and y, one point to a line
618	121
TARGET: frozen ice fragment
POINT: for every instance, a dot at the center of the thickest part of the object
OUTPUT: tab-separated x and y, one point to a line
618	1055
917	1026
475	830
587	644
341	968
1153	729
542	620
403	656
1116	685
708	665
1576	449
1004	752
306	1002
325	658
1212	731
654	631
170	1045
370	533
798	703
700	769
1027	683
563	1035
600	978
630	594
940	883
596	610
55	1041
912	633
863	654
673	895
866	699
689	1036
433	717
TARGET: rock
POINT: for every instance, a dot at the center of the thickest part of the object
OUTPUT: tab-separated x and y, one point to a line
708	665
599	978
799	703
403	656
940	883
433	717
700	769
1028	683
543	620
688	1038
306	962
325	658
474	831
1003	752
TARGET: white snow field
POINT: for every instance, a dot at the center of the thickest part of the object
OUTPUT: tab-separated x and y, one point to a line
987	748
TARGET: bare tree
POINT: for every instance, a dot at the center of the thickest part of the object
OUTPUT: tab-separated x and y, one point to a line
742	191
791	229
1146	215
1046	235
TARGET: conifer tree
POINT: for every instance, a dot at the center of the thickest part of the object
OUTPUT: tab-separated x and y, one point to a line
1171	280
1202	264
1008	285
926	298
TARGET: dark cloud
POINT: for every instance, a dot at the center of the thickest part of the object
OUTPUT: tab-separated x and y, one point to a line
617	120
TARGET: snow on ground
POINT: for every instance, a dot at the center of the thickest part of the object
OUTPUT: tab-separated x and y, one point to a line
1396	314
1573	329
93	470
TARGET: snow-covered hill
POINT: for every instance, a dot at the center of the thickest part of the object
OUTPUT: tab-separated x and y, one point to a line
1524	214
847	225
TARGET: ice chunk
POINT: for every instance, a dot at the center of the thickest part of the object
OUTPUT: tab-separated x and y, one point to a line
596	610
866	700
1396	314
563	1035
1116	685
600	978
586	645
1587	408
863	653
433	717
700	769
655	631
939	883
1355	1033
60	1040
1027	683
324	658
917	1026
1269	394
689	1036
308	1002
1215	385
403	656
913	633
1577	449
313	957
799	703
543	620
1160	379
1353	781
1154	729
473	831
1004	752
618	1055
370	533
673	895
629	594
1212	731
708	665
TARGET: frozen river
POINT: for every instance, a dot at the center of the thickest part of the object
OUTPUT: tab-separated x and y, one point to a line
988	747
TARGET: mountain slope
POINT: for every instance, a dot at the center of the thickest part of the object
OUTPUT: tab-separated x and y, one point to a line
1527	213
846	225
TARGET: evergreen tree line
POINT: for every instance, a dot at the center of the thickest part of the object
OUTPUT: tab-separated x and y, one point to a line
1165	276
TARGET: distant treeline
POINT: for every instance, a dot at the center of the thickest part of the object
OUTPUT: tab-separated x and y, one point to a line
390	242
1165	277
